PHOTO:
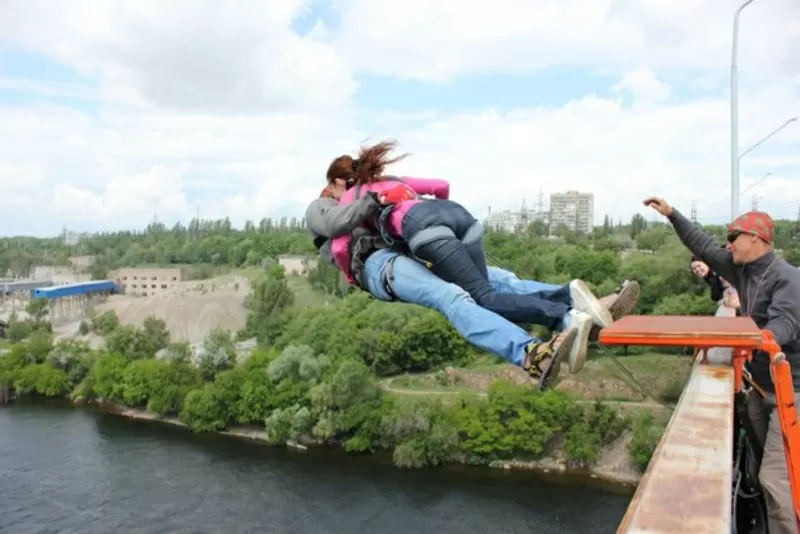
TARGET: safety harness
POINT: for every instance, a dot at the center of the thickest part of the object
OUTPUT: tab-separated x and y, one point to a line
366	245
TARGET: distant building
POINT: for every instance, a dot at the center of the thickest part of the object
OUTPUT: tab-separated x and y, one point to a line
513	221
81	264
58	274
148	281
572	209
296	264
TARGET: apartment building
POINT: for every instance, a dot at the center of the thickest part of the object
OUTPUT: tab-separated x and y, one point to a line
572	209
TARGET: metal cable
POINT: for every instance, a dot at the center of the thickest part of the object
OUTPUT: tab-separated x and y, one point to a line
638	385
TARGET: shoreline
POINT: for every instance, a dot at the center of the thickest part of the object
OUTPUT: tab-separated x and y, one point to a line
614	470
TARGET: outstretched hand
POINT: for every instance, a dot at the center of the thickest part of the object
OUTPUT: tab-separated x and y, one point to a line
659	204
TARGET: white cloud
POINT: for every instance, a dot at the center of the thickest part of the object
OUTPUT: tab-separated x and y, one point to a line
644	85
234	114
187	54
438	40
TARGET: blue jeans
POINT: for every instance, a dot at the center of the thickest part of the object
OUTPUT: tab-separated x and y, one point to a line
444	234
414	283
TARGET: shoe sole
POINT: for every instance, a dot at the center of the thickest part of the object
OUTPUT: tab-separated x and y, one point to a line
580	348
626	301
555	365
590	305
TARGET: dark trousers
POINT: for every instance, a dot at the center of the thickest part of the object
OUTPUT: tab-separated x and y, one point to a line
448	223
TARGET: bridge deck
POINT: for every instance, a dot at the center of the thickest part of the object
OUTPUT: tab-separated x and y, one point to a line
687	486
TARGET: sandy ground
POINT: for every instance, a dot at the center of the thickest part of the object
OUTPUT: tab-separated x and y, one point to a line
191	310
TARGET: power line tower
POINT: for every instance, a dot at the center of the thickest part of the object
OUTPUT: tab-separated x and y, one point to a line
694	212
754	203
524	215
540	203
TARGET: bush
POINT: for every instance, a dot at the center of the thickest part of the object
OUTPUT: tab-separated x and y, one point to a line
646	436
41	379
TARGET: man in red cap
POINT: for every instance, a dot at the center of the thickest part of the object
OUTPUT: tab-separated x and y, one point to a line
769	293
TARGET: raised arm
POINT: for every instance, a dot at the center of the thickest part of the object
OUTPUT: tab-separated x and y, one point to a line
327	218
702	245
429	186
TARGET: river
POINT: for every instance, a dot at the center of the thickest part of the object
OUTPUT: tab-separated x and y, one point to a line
66	470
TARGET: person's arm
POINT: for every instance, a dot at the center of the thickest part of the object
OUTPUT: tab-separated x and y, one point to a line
784	309
429	186
702	245
326	218
715	285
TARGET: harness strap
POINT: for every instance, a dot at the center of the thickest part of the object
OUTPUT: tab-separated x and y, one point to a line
388	279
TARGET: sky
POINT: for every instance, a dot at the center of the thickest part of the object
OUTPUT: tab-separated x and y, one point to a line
113	114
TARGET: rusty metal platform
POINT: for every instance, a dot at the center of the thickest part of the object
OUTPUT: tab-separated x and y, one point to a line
687	486
688	330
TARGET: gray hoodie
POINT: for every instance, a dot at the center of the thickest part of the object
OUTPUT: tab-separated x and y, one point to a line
326	219
769	292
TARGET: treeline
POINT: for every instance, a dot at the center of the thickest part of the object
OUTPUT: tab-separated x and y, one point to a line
315	379
215	244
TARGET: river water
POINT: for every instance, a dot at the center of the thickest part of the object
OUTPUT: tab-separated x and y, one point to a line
66	470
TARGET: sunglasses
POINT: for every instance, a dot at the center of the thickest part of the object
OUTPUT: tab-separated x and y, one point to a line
733	236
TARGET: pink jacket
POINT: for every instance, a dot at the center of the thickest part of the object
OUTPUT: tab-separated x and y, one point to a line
340	246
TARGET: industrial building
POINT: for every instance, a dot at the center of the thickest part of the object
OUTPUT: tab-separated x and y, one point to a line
69	302
148	281
16	295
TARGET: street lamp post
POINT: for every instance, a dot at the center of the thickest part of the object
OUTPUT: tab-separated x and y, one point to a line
773	132
757	182
735	115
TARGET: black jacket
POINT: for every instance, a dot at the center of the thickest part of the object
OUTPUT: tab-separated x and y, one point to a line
769	292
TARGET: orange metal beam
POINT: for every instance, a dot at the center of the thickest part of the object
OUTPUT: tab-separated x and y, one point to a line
681	331
739	333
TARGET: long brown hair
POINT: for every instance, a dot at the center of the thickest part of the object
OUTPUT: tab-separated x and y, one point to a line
369	166
372	160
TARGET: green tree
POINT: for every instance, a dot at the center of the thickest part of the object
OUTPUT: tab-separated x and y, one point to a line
268	299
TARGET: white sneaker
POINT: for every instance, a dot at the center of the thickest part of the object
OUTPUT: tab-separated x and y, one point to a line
584	300
582	322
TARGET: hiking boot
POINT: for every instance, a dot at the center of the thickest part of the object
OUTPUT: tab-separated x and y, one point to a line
619	304
584	300
543	359
581	322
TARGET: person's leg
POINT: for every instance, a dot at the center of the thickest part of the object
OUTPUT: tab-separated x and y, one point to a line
430	231
773	475
504	281
469	231
619	304
410	281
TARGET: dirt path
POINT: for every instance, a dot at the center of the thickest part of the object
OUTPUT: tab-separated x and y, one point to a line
387	385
